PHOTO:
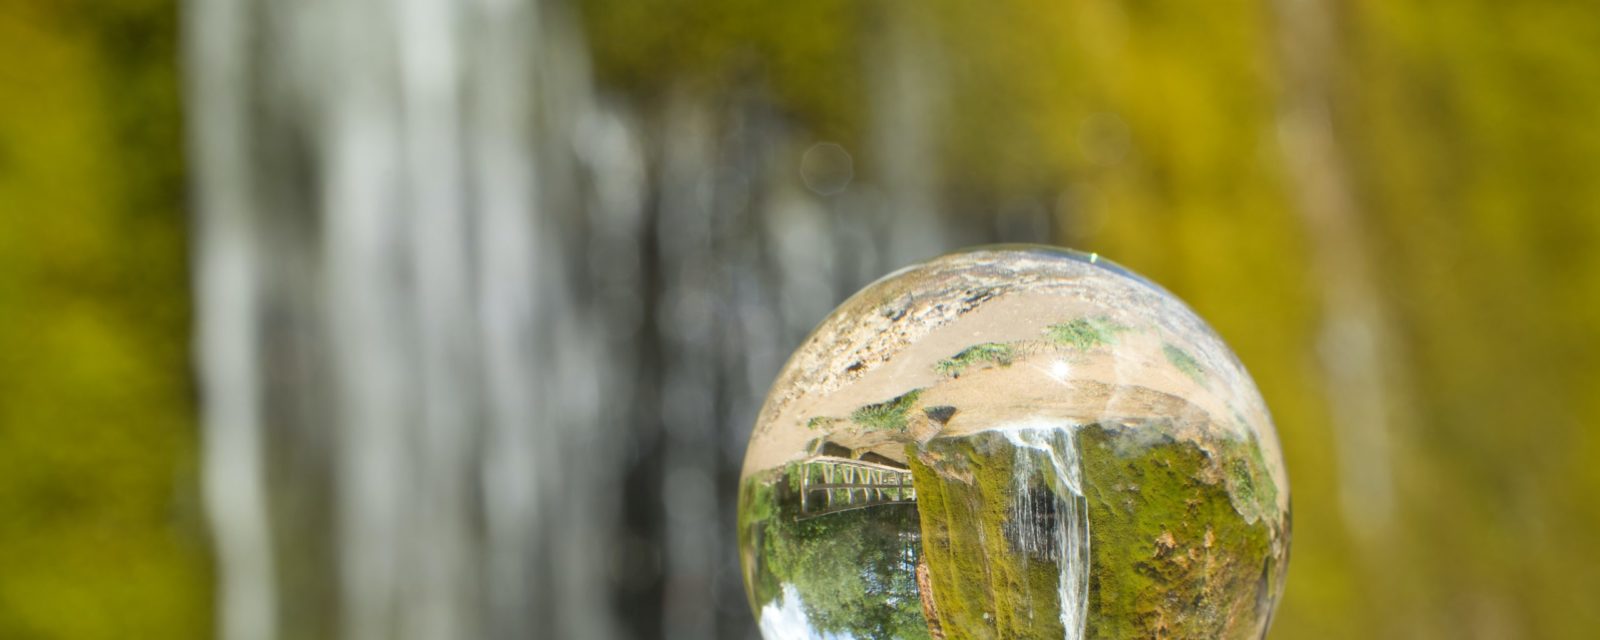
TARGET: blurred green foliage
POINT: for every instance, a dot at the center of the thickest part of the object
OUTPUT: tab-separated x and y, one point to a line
100	527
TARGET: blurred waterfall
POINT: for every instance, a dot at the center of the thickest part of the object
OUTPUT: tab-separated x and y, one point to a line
479	344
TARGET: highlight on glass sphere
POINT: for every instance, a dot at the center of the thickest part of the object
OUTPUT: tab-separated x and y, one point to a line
1014	441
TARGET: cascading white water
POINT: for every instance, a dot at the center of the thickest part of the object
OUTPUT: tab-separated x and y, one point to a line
1055	526
385	222
466	325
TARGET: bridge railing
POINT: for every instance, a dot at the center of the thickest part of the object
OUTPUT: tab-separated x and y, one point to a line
830	485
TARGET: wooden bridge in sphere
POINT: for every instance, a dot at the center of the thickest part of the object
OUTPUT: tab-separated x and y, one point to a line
831	484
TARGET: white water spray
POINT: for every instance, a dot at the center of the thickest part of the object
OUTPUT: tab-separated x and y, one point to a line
1066	540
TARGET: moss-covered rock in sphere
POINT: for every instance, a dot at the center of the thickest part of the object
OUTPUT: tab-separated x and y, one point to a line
1014	442
1174	554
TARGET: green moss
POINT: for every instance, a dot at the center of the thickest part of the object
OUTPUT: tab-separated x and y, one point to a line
1084	333
997	353
102	532
982	587
890	415
1171	556
1184	362
1254	492
820	422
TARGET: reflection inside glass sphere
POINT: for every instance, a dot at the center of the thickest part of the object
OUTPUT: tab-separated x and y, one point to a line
1013	442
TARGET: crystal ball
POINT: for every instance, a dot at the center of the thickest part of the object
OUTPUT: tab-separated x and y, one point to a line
1013	442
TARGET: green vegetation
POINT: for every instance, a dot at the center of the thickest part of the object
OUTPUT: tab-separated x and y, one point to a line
890	415
997	353
855	571
757	508
1172	557
1250	485
820	422
1084	333
983	588
1184	362
101	530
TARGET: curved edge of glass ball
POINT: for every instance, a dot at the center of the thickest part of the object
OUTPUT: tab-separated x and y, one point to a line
1013	441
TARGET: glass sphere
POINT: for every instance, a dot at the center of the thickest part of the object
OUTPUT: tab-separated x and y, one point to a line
1013	442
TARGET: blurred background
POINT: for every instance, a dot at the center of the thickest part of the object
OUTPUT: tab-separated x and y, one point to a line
449	319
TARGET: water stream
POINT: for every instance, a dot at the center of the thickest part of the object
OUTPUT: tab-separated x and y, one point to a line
1052	518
